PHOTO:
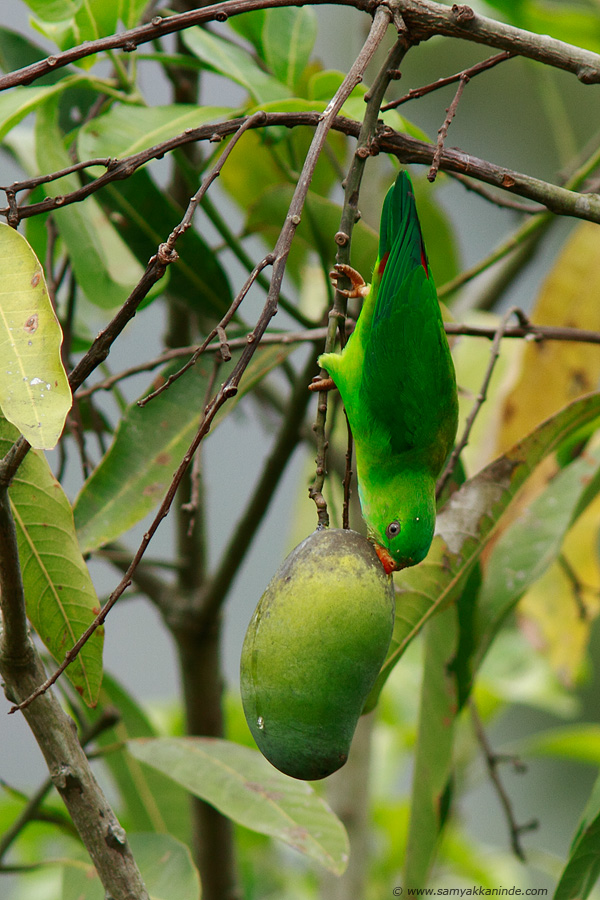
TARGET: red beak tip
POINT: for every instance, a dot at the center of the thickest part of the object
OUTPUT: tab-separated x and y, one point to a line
385	559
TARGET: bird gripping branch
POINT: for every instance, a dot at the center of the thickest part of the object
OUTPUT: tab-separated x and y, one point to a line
397	382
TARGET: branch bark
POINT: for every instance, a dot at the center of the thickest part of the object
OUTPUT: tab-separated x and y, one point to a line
423	17
556	199
55	732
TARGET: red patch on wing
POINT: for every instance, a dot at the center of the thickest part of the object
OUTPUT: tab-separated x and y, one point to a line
424	259
383	263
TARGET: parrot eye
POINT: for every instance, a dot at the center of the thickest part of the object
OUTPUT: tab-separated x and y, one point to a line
393	529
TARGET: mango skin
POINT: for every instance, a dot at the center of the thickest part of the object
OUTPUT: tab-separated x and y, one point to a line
313	650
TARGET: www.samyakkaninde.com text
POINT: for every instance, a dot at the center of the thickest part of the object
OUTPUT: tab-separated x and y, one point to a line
475	891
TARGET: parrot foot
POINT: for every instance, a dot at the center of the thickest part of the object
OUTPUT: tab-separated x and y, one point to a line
322	384
359	287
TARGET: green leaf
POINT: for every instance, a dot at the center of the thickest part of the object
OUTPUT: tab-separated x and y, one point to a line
96	19
580	742
18	103
583	867
242	785
125	487
70	22
131	12
34	390
60	597
288	38
164	862
146	217
17	51
529	546
126	129
104	267
467	523
234	63
54	10
433	758
151	802
250	26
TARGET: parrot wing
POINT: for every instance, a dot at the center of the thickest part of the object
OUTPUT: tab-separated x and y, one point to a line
408	379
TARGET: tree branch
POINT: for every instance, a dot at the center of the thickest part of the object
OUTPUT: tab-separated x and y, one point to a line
481	397
23	672
471	72
492	761
557	199
423	17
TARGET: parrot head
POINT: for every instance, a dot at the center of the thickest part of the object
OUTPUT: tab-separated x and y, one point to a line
401	520
404	541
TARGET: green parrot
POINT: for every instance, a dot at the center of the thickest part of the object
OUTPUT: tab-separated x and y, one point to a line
397	381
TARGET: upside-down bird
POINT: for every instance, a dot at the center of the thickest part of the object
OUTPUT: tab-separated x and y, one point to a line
396	379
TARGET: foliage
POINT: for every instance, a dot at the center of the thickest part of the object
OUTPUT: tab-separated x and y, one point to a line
500	615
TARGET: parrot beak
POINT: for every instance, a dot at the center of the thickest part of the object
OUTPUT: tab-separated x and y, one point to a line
385	558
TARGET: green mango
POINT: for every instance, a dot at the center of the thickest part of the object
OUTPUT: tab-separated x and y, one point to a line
312	652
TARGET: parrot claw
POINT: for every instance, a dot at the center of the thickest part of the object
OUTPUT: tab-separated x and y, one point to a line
359	287
322	384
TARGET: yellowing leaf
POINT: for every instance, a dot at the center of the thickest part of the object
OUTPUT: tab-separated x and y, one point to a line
557	613
34	390
553	373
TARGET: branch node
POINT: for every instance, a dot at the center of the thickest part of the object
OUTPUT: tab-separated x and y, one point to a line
116	837
166	254
64	779
463	13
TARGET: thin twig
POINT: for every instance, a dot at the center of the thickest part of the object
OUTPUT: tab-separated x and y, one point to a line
492	761
443	131
193	505
267	261
528	330
471	72
481	397
558	199
576	586
424	20
234	245
316	335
